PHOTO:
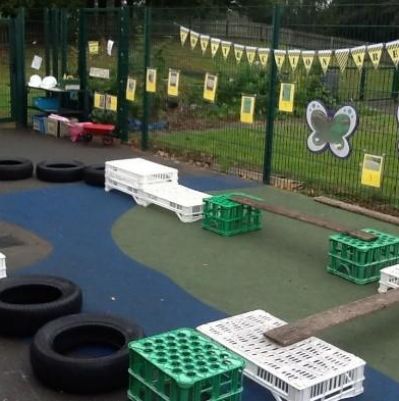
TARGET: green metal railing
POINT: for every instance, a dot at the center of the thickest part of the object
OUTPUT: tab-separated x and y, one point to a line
274	148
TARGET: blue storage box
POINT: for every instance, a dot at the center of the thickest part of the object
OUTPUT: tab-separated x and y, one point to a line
39	123
48	104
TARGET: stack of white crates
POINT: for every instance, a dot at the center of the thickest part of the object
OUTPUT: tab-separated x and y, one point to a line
3	269
389	279
153	183
310	370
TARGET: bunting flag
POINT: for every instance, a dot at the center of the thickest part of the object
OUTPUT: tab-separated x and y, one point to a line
293	58
183	34
226	46
308	57
279	57
251	54
342	58
393	51
358	54
193	39
215	43
325	59
263	55
204	40
238	52
375	53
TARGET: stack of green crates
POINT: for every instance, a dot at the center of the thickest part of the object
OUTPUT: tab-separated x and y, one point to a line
361	261
226	217
183	365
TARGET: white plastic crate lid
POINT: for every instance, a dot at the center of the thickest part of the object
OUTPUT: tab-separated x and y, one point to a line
302	365
141	166
176	193
391	270
2	256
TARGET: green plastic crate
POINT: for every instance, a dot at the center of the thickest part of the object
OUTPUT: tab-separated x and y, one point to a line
226	217
183	365
361	261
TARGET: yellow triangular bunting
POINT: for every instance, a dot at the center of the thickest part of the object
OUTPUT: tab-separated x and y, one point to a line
193	39
293	58
251	54
325	59
238	52
226	46
215	43
183	34
342	58
204	40
358	54
393	51
279	58
308	57
375	53
263	54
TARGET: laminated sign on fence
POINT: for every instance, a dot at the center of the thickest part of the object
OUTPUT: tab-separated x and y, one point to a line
372	170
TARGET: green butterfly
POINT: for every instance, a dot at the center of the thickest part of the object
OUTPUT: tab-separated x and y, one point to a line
331	131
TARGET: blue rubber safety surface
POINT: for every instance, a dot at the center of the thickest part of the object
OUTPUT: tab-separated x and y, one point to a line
77	220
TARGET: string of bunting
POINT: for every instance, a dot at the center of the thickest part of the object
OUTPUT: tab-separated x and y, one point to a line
261	55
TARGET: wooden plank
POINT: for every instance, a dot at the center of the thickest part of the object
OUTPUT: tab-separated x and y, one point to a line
292	333
362	235
358	209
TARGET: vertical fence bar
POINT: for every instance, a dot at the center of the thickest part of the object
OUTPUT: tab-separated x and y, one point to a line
268	152
123	70
395	84
82	63
146	95
55	40
64	41
47	41
20	81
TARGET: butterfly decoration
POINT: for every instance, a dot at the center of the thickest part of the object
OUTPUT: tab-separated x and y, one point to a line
329	130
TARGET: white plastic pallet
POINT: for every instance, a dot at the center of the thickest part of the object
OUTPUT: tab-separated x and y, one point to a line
389	278
185	202
3	269
311	370
138	173
113	183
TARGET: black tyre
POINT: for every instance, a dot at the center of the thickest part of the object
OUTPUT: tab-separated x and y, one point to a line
15	169
60	171
56	361
95	175
29	302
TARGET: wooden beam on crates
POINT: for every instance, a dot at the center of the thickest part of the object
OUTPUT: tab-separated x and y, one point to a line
292	333
292	214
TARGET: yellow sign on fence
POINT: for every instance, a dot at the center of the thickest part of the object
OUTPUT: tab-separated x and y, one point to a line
173	82
286	103
131	89
94	47
247	109
151	80
372	170
210	85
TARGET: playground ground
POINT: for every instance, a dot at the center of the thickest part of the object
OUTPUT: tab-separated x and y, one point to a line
143	264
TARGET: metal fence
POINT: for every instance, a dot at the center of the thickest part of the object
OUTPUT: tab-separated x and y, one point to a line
274	148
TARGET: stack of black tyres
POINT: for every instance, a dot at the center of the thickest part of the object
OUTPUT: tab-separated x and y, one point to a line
52	171
49	308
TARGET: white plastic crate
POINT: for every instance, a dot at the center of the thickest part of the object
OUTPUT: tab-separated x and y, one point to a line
138	173
389	278
185	202
3	269
112	183
310	370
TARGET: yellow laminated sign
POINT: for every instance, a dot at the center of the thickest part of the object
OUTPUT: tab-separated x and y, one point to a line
151	80
372	170
247	109
210	86
173	82
286	103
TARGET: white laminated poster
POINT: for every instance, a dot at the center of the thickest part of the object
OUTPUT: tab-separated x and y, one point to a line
36	62
110	45
99	73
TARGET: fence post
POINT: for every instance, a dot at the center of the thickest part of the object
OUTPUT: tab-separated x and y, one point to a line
82	67
55	35
47	35
146	95
362	83
123	70
395	85
268	152
20	111
64	40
